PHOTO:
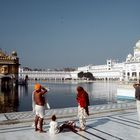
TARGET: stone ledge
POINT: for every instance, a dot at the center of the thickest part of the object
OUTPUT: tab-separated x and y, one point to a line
98	110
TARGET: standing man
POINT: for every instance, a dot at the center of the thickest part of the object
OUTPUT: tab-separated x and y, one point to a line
137	97
39	100
83	103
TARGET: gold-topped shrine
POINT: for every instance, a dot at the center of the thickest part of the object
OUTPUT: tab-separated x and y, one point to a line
9	65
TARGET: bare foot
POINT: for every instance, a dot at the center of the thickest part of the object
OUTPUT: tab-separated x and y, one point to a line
81	129
42	131
37	129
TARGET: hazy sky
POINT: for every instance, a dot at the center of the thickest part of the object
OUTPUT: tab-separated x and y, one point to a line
69	33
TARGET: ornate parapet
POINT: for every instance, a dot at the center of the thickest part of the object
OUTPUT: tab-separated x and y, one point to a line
9	65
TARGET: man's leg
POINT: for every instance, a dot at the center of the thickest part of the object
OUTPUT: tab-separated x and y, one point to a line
81	115
41	125
36	123
138	109
82	123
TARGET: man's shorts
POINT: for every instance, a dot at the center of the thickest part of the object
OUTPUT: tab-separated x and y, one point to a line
40	111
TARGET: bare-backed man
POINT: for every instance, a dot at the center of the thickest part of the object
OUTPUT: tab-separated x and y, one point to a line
39	100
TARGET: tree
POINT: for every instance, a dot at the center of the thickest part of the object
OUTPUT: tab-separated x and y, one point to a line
81	74
89	75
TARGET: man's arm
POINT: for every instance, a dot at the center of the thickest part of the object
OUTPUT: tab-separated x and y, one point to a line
43	90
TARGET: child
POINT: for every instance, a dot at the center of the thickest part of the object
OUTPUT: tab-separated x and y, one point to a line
54	129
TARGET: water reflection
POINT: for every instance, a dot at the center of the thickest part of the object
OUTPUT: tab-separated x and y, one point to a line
8	99
61	95
64	94
101	92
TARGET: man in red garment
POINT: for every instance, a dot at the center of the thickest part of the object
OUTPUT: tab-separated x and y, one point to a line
83	103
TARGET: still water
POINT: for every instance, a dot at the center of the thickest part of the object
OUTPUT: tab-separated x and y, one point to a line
61	95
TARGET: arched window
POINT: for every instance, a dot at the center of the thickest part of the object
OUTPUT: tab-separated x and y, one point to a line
4	69
134	74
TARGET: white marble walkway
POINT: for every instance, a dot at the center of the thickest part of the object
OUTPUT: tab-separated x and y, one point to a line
120	126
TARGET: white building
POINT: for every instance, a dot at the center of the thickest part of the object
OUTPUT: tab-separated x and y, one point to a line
127	70
49	75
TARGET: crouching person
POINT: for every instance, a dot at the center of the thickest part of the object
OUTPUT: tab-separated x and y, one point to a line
55	128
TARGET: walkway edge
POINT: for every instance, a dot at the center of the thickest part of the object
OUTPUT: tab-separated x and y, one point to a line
98	110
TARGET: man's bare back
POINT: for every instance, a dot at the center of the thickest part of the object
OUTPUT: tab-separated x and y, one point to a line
38	98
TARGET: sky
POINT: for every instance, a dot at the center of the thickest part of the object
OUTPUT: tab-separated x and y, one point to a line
52	34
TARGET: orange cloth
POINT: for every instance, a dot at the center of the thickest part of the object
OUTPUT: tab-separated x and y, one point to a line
37	87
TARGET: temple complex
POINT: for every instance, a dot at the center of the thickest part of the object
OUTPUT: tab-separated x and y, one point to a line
128	70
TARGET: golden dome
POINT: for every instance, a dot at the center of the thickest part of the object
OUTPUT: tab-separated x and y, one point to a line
14	53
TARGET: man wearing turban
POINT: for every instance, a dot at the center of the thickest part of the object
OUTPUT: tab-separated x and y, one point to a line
39	109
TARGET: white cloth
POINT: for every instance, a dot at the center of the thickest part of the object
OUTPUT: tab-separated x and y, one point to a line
40	111
33	102
53	127
138	108
47	106
82	117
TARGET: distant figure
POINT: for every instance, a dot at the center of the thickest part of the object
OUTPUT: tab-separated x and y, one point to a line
137	97
83	103
39	108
